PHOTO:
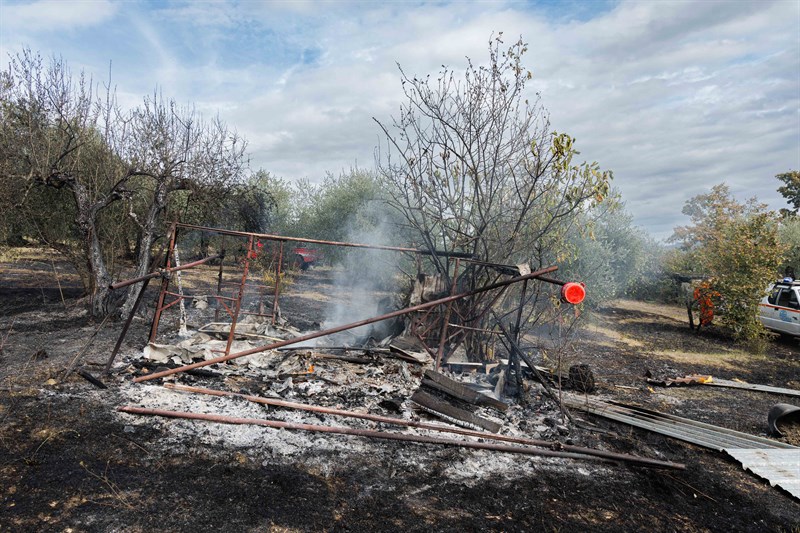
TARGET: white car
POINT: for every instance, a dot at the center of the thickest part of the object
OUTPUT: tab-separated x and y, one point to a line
780	310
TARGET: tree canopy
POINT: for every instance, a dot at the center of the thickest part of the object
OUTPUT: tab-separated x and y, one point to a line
472	165
735	245
790	190
116	170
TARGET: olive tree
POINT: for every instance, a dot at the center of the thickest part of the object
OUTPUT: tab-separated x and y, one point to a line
612	256
58	132
790	190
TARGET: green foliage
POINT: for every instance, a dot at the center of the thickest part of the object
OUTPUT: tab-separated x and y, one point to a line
789	238
613	257
736	246
790	190
342	206
746	259
473	167
350	207
279	219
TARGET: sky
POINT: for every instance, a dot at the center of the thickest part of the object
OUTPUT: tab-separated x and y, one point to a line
673	97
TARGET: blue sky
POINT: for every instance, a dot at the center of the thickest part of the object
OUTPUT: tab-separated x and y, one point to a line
674	97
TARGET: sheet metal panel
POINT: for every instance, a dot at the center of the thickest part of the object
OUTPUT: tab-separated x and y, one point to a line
752	386
699	433
777	462
779	467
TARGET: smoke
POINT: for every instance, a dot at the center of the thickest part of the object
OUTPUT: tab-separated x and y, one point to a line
365	284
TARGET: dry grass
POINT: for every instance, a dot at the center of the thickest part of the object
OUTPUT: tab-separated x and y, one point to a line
728	360
610	337
672	312
651	330
114	496
13	254
311	295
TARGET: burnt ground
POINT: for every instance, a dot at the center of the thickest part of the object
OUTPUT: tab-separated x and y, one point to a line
70	462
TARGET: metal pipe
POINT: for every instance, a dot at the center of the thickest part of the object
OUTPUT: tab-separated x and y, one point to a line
482	330
173	302
271	237
238	307
420	425
346	327
158	273
375	434
125	327
156	260
552	280
219	279
164	284
520	354
277	284
519	311
461	255
446	319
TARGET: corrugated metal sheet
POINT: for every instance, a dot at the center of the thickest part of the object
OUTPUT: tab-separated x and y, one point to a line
700	433
777	462
752	386
779	467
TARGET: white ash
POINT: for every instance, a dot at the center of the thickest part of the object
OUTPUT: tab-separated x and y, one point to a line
300	377
264	444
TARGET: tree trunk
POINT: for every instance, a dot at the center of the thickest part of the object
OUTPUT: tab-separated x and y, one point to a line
99	278
145	244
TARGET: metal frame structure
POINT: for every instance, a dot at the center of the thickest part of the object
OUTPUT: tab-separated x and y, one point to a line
424	327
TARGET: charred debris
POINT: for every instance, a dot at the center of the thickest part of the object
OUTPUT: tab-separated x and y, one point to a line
220	320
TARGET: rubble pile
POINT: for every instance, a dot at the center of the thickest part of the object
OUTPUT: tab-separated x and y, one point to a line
380	385
277	391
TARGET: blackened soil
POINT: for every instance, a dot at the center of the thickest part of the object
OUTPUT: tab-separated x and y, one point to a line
68	464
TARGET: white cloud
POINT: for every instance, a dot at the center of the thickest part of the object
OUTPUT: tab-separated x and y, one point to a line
49	15
673	96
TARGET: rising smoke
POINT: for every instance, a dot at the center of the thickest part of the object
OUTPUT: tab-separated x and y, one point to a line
366	283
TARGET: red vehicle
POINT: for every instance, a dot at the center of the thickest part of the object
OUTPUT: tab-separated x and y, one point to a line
307	256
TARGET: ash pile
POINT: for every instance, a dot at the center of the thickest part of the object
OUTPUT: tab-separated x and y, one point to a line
375	374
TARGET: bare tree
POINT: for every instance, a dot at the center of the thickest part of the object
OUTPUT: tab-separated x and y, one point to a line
174	149
57	132
474	167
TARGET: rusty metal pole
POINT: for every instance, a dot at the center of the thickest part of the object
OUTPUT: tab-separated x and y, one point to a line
238	307
515	347
164	284
403	422
513	360
388	435
278	268
519	311
134	309
219	279
353	325
446	321
270	237
125	327
170	270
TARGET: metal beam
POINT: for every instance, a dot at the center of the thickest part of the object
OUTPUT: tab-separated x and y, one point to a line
387	435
